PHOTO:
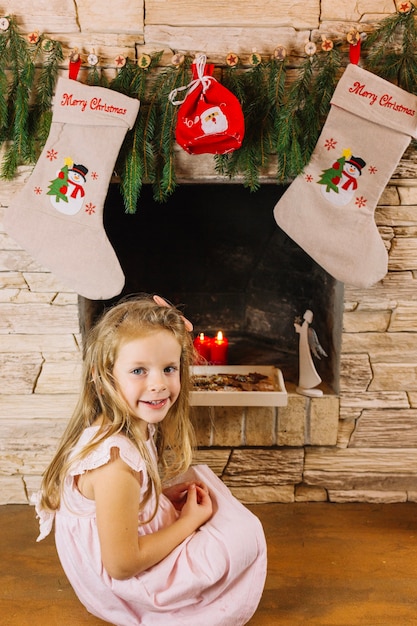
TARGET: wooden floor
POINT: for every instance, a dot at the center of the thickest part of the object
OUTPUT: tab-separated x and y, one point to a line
329	564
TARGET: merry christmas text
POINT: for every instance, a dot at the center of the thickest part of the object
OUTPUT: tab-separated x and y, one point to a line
385	100
95	104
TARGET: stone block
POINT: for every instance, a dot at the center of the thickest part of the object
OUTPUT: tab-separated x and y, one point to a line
403	254
227	426
39	319
12	490
19	372
295	13
390	376
382	347
202	419
366	321
393	215
59	376
267	494
304	493
292	421
374	400
129	17
256	467
376	497
345	430
38	406
387	469
404	319
215	459
260	426
42	343
323	421
386	428
355	11
355	372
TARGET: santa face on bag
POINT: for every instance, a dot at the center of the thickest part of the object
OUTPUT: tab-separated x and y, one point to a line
345	184
213	121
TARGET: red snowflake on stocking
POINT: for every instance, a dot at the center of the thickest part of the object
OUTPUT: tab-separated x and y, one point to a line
330	144
52	154
90	208
360	202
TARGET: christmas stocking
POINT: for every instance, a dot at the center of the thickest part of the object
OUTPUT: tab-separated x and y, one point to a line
58	215
329	208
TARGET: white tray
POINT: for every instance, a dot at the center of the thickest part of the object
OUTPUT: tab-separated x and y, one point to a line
278	397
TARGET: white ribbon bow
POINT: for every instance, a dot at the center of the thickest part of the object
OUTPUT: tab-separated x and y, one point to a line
205	81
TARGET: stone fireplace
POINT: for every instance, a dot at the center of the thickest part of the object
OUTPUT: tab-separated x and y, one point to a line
356	443
216	250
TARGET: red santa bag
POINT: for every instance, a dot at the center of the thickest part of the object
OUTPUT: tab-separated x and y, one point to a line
210	118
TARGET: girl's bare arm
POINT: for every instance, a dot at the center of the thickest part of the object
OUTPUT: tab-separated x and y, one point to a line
116	491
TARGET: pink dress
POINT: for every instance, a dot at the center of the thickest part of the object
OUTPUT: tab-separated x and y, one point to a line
213	578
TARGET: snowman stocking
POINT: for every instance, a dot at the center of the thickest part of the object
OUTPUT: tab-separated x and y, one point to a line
58	215
329	208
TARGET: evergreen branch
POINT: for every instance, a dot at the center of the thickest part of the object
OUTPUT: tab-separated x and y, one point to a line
42	113
132	173
164	139
292	147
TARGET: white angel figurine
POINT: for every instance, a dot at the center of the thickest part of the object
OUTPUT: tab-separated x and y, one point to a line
308	343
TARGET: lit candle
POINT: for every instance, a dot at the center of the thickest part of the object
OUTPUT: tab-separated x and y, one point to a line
219	347
202	344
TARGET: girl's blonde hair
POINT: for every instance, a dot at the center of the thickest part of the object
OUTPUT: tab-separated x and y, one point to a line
99	398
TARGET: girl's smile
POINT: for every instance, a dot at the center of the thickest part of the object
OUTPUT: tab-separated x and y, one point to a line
147	374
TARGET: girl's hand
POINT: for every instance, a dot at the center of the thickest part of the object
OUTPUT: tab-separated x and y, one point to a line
198	506
177	494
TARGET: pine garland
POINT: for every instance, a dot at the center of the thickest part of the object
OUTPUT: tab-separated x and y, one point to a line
283	115
17	59
392	50
260	91
52	56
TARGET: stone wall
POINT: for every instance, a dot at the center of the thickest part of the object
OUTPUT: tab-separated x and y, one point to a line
360	445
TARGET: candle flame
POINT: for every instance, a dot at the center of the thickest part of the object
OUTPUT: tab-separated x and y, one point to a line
201	336
219	336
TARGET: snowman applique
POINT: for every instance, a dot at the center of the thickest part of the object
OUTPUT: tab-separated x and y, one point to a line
340	181
67	189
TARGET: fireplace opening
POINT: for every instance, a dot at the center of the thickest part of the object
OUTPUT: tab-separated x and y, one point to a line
216	251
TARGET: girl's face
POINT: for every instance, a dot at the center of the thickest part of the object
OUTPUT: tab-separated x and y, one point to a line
147	374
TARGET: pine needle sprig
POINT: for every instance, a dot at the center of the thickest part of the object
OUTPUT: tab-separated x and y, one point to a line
134	151
22	71
254	152
164	176
96	77
41	115
291	122
392	50
324	82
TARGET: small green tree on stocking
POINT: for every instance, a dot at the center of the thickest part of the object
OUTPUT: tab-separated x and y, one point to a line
59	186
331	176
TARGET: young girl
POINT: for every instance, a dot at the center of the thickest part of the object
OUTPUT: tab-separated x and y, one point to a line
141	539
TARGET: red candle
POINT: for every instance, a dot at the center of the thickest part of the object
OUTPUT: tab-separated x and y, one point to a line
219	346
203	344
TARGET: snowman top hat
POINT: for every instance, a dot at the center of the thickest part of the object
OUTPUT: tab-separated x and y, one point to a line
80	169
357	162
